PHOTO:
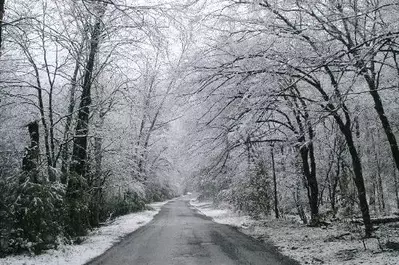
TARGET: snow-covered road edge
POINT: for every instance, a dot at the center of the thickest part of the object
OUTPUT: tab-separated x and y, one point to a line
96	243
304	244
221	216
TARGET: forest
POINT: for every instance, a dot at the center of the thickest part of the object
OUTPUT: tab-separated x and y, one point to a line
275	108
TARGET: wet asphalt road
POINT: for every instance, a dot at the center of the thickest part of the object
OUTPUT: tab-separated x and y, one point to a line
178	235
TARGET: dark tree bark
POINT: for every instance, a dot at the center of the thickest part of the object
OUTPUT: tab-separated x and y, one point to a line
368	70
79	153
333	189
97	183
358	178
334	179
2	3
71	108
346	129
311	185
306	151
31	159
344	123
378	181
379	107
298	204
274	184
77	189
41	106
312	180
395	176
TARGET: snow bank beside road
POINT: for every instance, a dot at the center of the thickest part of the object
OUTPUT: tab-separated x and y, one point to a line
335	245
222	216
96	243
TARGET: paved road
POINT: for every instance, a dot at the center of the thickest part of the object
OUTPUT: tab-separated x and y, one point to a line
178	235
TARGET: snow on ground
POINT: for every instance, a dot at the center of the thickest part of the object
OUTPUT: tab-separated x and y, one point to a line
339	244
96	243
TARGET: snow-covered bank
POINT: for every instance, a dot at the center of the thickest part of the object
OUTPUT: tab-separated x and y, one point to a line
334	245
96	243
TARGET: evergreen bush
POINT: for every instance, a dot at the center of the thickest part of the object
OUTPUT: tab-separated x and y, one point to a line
36	214
120	205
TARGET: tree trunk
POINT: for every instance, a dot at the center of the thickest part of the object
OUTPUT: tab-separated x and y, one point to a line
79	153
79	217
97	185
378	106
380	188
311	186
345	128
298	203
379	185
307	154
358	174
329	106
312	180
30	161
333	188
71	107
396	187
42	115
275	184
2	3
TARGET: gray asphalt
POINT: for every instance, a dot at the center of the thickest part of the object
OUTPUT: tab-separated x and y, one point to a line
179	235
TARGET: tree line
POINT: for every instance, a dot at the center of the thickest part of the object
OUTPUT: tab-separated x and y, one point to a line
85	106
307	91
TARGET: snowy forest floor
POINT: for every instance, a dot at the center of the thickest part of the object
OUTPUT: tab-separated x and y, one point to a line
339	243
94	244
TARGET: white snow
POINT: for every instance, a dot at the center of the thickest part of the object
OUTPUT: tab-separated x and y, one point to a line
310	245
96	243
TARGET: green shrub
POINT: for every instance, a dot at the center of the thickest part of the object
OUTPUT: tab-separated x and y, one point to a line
37	214
252	195
156	192
129	202
77	212
6	220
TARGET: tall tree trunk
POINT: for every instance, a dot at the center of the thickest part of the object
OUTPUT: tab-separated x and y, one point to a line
144	135
346	129
312	180
30	161
79	217
333	188
311	185
42	113
379	107
298	203
274	184
2	4
307	155
373	198
395	176
368	68
381	197
358	173
379	186
79	153
67	131
96	185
